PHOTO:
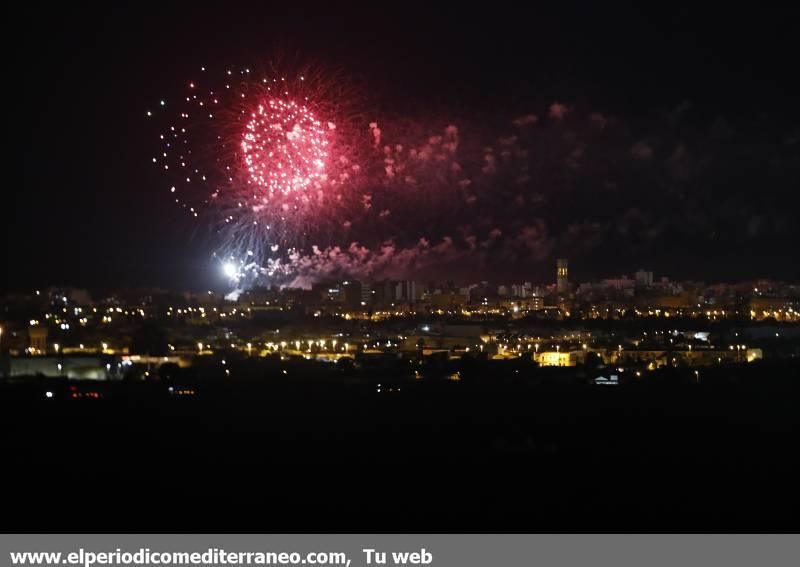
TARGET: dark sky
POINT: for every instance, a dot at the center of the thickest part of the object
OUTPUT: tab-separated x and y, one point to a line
87	210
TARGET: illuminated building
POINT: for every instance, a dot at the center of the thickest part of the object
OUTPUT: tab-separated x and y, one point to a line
521	306
37	339
330	292
562	276
366	294
559	358
353	291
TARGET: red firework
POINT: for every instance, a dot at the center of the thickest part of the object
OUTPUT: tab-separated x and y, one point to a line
284	147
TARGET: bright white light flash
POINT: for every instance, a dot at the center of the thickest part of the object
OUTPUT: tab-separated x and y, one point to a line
230	270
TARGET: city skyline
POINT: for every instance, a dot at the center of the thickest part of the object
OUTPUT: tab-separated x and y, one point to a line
223	287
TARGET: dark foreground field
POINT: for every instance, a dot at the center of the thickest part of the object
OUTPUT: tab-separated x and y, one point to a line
434	456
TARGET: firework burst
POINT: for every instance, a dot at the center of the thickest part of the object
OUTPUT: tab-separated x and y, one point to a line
283	166
264	157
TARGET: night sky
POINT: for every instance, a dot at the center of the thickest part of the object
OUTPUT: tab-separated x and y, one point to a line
703	133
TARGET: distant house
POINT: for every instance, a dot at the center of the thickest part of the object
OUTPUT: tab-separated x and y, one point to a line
560	358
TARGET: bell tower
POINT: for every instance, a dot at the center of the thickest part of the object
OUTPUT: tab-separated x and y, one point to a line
562	276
